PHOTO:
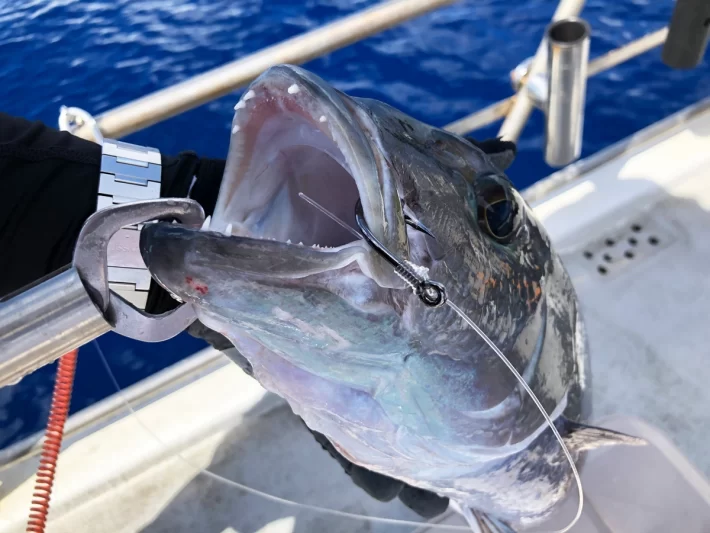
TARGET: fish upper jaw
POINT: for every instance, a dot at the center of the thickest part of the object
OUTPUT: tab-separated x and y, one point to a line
293	133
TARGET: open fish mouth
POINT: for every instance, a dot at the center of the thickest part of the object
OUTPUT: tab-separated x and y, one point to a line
293	134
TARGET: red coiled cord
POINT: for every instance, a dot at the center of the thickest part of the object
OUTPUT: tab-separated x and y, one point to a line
61	397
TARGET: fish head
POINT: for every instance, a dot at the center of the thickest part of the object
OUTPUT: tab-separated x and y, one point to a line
407	390
279	278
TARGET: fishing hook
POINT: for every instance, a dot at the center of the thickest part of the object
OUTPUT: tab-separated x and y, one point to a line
431	293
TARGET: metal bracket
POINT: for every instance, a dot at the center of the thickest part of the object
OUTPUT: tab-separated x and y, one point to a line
536	86
72	119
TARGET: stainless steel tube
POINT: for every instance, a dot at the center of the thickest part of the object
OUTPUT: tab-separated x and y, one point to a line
600	64
567	61
522	106
41	324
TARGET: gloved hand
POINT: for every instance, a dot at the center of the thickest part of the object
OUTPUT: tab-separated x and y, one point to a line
208	174
425	503
178	174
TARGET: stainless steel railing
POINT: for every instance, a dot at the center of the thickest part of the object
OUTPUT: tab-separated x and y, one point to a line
215	83
500	109
153	108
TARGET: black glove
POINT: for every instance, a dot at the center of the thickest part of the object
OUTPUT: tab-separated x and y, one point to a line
383	488
424	503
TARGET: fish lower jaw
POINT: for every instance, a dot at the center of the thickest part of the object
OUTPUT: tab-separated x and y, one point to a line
235	230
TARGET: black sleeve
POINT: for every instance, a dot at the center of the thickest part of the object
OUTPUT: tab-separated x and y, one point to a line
48	186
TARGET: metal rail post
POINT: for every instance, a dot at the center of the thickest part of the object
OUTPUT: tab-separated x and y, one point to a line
523	106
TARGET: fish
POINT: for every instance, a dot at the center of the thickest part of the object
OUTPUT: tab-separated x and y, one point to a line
400	389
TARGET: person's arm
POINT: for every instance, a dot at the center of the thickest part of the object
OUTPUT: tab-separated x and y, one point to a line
48	187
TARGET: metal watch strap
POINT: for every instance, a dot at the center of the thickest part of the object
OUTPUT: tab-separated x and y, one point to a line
129	173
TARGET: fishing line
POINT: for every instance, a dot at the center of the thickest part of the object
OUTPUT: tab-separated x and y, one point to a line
330	215
539	405
357	516
261	494
402	271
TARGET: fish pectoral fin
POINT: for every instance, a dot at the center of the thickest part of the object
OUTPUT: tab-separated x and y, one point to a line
581	437
501	153
480	522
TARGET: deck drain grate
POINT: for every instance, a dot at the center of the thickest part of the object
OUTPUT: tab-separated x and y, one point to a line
627	245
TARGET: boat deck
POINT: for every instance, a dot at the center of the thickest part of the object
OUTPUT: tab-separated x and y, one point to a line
633	226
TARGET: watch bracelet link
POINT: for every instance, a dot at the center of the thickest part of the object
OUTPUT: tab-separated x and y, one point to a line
129	173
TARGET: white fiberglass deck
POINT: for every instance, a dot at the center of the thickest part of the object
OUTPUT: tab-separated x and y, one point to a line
646	312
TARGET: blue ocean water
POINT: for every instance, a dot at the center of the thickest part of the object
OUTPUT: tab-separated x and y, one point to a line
97	55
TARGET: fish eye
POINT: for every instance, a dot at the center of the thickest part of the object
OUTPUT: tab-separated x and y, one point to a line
496	208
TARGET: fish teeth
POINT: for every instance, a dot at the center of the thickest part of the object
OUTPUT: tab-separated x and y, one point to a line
288	241
300	243
228	230
294	89
240	105
206	223
322	118
249	95
235	129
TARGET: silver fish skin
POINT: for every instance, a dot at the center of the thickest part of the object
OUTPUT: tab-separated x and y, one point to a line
401	389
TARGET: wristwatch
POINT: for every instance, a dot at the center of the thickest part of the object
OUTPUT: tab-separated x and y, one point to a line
129	173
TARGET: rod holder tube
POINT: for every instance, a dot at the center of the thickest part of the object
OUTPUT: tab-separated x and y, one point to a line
687	34
567	62
42	323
